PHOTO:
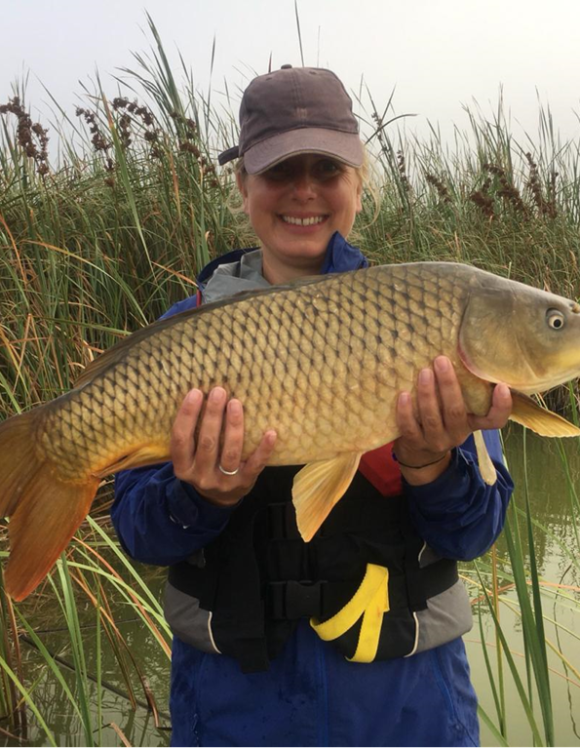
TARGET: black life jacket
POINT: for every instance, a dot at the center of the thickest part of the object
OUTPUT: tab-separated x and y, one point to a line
244	593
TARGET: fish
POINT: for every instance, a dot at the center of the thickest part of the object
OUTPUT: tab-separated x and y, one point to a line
320	360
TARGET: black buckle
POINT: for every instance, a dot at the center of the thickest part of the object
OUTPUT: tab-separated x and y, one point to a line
292	600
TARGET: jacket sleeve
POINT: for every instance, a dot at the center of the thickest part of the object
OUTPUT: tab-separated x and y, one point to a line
158	518
161	520
458	515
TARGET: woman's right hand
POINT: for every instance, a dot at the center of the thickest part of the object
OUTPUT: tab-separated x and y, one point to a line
198	462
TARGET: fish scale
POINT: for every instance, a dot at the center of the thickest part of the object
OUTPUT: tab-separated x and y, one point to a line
267	354
321	361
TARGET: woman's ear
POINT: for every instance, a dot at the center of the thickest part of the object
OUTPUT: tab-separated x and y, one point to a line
241	183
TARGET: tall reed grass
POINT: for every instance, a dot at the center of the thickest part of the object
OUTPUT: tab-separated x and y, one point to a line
103	242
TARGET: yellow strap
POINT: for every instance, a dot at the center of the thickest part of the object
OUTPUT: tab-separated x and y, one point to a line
370	632
371	601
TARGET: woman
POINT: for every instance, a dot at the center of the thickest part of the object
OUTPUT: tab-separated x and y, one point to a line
248	668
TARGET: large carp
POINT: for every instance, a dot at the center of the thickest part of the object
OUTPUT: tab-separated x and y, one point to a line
321	361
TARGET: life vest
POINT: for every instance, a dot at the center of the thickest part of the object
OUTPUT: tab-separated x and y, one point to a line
366	581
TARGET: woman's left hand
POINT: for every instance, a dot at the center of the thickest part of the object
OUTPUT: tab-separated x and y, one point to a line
442	421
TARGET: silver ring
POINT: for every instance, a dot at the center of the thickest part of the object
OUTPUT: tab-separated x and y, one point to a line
228	472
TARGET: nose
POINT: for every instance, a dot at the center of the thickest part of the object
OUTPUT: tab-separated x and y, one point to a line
304	185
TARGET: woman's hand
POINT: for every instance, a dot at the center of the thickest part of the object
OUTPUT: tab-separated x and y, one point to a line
442	421
199	463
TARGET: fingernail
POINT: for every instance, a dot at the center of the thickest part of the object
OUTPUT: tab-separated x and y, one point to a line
442	364
503	391
425	376
404	399
193	396
217	394
235	407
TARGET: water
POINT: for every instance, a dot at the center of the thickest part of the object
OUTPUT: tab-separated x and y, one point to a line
551	506
557	550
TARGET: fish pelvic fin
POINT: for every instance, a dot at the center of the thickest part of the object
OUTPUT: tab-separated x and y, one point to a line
318	487
486	467
528	413
44	510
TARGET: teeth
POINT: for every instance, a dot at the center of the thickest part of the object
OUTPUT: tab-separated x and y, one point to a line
303	221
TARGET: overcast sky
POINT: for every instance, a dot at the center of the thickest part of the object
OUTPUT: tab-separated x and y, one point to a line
437	54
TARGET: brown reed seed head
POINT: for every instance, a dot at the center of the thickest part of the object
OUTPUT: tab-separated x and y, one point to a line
546	207
100	143
31	137
483	199
402	167
188	126
483	202
507	190
439	186
128	112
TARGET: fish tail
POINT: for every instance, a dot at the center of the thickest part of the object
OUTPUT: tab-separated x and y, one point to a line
44	509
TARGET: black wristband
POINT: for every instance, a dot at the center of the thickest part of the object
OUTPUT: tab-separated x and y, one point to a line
418	467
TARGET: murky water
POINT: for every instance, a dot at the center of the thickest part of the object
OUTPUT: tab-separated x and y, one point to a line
556	551
551	506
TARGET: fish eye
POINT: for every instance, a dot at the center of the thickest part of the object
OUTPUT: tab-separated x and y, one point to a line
555	319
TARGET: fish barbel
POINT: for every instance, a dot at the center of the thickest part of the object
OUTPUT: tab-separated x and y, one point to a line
321	361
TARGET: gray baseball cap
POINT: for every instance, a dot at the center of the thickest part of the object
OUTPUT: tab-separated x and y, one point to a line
292	111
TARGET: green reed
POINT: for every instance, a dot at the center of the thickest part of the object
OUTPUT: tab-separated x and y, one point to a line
104	242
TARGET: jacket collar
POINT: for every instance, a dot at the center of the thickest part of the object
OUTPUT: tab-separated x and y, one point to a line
340	257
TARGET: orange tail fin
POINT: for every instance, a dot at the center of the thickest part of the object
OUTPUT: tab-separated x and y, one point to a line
44	510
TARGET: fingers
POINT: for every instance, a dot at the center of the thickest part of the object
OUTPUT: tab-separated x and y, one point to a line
208	441
453	412
441	420
231	454
498	414
182	434
212	466
258	460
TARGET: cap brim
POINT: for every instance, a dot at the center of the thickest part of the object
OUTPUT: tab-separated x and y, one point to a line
344	146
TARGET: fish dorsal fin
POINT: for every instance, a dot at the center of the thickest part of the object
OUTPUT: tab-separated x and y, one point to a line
545	423
486	467
318	487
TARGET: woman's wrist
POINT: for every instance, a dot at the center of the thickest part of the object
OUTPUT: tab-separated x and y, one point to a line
418	470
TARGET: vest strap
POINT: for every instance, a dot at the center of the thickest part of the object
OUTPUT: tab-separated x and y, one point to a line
371	601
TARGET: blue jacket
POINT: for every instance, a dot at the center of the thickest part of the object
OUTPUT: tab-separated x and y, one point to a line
311	695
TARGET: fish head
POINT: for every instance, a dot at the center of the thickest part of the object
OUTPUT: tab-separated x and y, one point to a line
525	337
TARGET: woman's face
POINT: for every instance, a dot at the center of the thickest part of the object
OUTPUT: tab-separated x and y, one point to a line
295	207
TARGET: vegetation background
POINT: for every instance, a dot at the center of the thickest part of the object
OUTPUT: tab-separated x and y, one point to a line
103	239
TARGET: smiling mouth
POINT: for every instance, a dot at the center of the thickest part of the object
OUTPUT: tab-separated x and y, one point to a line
312	221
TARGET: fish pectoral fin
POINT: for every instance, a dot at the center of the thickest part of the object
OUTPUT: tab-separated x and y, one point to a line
486	467
318	487
545	423
146	454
